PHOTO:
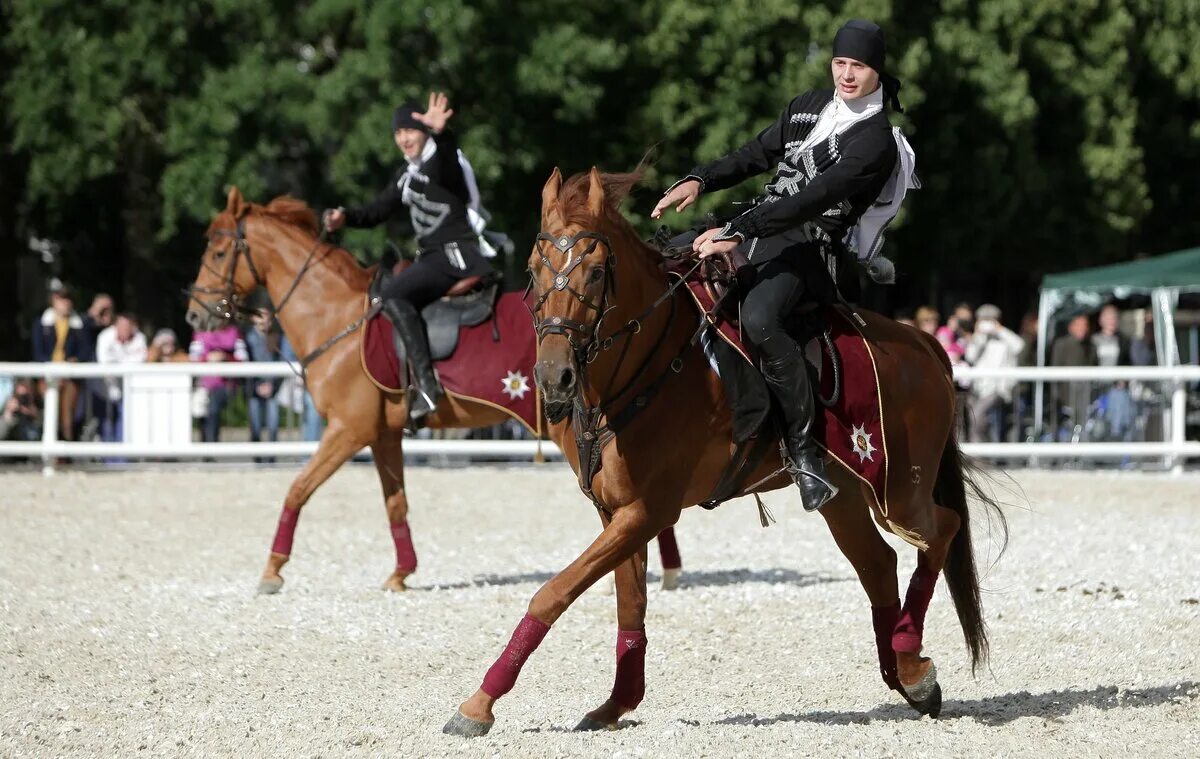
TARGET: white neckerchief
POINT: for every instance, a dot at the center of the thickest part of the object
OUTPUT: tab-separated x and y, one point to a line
839	115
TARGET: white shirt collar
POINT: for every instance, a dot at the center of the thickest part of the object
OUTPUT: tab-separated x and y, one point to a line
860	107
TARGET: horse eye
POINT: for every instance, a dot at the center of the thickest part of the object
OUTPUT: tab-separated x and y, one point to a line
218	254
596	274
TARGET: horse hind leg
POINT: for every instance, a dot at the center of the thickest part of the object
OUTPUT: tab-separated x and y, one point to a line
336	446
874	561
672	563
917	673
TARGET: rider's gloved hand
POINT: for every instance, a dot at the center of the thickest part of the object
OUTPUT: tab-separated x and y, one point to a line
334	219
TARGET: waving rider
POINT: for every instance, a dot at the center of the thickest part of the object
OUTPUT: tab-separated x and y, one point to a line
834	155
438	187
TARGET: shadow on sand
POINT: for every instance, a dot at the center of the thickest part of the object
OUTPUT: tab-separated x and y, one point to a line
1000	710
691	579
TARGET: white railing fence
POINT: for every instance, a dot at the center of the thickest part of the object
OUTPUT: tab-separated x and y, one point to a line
140	383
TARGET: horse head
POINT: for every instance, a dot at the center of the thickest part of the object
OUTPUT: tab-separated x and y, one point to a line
574	278
228	272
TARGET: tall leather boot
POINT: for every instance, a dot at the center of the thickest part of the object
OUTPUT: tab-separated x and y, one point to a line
409	333
787	373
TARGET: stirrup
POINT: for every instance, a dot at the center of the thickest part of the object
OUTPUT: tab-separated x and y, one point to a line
815	488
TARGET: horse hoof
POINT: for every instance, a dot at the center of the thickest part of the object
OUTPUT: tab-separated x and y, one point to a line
270	587
926	696
671	578
465	727
395	584
587	725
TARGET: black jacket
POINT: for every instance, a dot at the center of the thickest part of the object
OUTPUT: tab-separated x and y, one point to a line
437	199
817	194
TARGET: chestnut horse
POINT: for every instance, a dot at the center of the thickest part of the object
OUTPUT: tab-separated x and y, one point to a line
608	320
318	291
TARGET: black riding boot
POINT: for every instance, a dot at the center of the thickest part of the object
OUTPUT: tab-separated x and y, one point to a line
409	333
787	374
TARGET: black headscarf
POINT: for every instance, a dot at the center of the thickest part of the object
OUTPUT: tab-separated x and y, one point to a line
402	118
863	41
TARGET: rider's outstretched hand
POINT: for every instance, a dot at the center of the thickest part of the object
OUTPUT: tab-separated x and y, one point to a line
682	196
437	113
334	219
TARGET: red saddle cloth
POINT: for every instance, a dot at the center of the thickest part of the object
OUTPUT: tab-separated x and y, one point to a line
498	374
852	430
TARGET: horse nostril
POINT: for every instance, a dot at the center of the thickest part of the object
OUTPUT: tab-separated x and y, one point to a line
566	378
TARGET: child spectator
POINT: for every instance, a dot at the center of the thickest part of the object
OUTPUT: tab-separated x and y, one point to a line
219	345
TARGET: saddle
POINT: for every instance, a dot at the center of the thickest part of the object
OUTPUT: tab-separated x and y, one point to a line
470	302
716	288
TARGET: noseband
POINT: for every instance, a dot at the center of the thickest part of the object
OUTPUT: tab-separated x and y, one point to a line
587	345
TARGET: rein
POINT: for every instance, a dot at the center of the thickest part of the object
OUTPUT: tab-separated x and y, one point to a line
596	426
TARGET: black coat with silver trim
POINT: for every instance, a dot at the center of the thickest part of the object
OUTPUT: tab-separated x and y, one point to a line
437	198
817	194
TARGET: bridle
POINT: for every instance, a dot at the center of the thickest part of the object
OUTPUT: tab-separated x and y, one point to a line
228	305
587	343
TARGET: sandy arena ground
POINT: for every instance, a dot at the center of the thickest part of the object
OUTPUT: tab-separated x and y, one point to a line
129	625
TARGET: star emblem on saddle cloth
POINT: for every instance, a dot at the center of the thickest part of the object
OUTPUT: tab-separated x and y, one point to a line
515	385
860	441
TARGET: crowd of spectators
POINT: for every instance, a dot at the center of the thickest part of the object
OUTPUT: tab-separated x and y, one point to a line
995	410
95	408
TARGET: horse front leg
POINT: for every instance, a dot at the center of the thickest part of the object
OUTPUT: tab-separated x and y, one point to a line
389	463
627	534
337	445
629	684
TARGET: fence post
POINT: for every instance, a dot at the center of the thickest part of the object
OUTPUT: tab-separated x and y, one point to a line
1178	423
50	405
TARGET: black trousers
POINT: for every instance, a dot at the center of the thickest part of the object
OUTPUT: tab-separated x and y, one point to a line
433	274
782	285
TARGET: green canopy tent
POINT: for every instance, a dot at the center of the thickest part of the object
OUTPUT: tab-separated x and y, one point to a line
1162	278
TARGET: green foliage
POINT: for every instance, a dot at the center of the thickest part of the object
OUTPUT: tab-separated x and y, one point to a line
1049	133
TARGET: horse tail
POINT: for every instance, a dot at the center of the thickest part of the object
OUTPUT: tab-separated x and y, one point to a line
957	476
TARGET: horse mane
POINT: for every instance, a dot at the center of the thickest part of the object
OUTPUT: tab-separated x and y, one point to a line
292	211
296	213
573	196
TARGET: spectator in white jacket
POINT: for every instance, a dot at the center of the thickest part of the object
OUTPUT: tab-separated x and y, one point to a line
121	343
991	346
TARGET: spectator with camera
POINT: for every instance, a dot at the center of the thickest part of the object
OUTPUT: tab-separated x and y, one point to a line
262	345
991	346
21	418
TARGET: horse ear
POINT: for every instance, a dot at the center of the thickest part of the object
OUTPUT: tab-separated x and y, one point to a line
596	198
550	191
235	203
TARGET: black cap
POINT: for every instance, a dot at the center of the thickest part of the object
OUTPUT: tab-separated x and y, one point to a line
863	41
402	118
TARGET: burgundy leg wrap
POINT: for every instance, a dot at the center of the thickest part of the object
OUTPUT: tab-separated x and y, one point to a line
285	531
907	637
502	676
668	549
884	618
406	556
630	684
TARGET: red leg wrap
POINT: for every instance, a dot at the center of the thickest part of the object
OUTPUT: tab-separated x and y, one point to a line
285	531
406	556
668	549
907	637
884	618
501	678
630	684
